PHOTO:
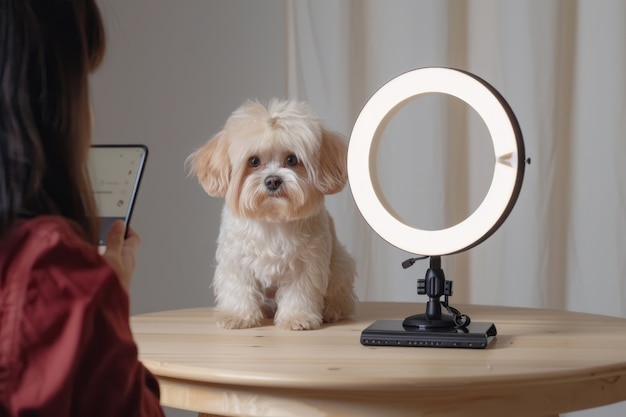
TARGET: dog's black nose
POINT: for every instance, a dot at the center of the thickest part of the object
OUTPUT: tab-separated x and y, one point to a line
273	182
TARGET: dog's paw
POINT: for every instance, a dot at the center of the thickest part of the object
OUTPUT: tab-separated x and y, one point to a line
304	322
228	320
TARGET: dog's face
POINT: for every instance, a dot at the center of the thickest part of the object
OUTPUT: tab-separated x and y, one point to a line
274	163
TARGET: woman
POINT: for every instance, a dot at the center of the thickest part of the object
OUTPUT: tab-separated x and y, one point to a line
65	343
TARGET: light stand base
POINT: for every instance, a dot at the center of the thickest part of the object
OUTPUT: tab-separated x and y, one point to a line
421	321
392	333
431	328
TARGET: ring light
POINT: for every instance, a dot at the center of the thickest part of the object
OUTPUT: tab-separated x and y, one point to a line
507	174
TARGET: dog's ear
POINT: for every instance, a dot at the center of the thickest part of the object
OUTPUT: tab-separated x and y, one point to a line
211	165
332	174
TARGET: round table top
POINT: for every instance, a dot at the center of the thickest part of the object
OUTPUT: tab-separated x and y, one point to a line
542	362
532	345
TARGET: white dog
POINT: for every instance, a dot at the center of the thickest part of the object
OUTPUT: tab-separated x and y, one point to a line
277	241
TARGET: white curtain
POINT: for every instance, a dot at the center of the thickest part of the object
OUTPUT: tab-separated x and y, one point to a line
561	65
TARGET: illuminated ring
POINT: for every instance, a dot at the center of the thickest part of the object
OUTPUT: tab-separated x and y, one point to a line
507	175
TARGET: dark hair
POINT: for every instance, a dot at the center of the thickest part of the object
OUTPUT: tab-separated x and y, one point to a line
47	50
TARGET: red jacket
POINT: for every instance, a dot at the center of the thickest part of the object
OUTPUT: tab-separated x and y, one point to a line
66	348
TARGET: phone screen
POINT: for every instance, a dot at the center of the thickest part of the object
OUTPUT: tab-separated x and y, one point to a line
115	172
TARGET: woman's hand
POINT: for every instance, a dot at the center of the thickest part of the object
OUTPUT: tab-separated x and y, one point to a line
120	252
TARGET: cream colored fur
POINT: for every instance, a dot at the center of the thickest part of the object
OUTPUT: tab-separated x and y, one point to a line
277	248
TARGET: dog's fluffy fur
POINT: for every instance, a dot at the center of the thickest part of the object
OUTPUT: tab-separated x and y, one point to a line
277	245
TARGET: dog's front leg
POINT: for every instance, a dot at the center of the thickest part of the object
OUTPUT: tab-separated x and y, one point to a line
300	300
238	298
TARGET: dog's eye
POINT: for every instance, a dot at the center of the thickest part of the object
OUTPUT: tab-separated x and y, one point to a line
254	161
291	160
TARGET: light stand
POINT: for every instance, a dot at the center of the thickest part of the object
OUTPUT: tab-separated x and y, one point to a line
434	328
435	286
431	328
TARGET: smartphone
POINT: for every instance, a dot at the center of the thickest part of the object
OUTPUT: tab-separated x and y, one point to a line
115	172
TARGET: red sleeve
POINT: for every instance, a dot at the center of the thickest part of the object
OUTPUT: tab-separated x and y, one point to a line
122	386
66	348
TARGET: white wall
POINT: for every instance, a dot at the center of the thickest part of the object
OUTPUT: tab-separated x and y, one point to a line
173	72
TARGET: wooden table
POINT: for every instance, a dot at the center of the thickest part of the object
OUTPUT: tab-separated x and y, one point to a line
543	362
